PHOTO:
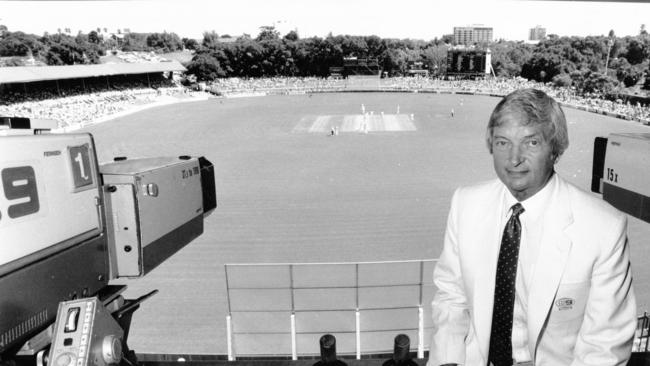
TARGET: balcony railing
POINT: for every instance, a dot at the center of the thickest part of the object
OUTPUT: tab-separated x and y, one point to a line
281	310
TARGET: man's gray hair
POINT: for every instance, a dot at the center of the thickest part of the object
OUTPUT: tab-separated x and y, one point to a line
533	107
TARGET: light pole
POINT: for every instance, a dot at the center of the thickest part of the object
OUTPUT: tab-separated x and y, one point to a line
610	43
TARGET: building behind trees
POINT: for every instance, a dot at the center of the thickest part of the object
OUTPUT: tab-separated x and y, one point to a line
537	34
472	34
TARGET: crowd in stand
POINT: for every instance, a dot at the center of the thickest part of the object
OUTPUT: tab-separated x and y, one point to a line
279	85
491	86
79	102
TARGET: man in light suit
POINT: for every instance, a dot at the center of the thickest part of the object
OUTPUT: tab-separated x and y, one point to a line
570	300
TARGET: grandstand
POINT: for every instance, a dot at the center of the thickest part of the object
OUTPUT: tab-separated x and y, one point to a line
79	94
57	80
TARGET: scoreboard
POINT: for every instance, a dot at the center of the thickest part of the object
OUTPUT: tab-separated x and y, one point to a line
468	62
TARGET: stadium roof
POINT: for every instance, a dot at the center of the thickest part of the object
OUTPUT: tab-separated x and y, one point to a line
26	74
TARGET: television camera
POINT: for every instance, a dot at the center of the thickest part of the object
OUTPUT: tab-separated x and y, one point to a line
69	225
619	172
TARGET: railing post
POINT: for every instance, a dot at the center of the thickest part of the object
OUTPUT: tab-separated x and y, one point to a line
420	332
358	333
645	330
231	356
294	352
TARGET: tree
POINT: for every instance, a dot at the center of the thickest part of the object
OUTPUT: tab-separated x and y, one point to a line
435	59
191	44
250	55
628	74
93	37
20	44
509	57
375	46
223	54
90	51
164	42
134	42
267	33
542	66
111	43
598	83
300	56
4	31
563	55
447	39
562	80
63	50
314	56
12	46
394	61
353	46
205	67
291	62
276	58
636	51
292	36
210	40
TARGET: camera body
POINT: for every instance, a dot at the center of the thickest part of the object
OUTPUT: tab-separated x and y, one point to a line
69	225
154	207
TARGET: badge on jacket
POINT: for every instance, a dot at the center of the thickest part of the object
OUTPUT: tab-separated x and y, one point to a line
565	303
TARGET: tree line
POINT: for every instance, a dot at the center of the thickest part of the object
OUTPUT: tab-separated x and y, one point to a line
84	48
592	64
270	54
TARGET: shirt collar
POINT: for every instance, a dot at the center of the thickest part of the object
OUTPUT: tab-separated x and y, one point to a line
533	206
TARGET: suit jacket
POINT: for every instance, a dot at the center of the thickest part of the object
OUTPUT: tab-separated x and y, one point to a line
581	305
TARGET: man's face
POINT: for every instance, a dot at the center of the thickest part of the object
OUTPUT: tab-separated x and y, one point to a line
522	157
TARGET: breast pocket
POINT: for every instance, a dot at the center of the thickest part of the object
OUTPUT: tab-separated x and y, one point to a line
570	301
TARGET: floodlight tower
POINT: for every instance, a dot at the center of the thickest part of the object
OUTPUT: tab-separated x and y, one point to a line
610	43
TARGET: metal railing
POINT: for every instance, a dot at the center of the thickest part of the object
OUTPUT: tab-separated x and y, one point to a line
283	309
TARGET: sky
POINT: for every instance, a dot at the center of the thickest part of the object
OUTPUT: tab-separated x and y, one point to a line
416	19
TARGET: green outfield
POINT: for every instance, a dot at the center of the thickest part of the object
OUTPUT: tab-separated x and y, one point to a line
288	191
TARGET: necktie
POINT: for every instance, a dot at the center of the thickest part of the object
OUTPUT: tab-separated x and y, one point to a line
504	291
